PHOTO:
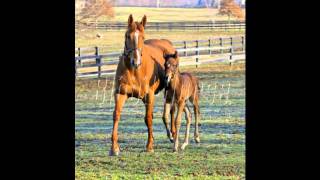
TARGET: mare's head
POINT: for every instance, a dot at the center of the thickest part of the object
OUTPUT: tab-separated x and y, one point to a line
134	40
171	66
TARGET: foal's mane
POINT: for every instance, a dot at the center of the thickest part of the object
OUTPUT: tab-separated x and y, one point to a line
167	56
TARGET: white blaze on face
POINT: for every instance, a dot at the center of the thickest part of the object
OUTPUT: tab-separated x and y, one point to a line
169	75
137	51
169	78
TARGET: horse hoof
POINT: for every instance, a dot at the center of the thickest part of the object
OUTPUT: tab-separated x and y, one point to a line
175	149
183	146
197	139
150	150
114	153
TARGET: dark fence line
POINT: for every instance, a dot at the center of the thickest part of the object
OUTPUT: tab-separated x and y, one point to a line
157	26
225	48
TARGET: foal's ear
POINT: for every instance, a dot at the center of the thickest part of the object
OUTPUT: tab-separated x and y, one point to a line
130	20
144	21
176	54
165	57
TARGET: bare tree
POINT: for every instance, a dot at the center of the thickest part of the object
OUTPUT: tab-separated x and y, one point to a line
93	9
230	8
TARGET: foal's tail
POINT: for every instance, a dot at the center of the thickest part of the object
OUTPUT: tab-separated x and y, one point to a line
198	85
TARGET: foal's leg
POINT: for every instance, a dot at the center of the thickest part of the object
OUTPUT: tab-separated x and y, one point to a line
165	119
173	125
119	102
197	119
181	105
148	119
188	118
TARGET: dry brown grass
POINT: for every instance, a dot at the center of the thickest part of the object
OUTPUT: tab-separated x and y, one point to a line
215	67
115	39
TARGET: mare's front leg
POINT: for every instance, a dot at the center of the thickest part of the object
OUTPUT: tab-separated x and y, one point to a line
119	102
181	105
149	102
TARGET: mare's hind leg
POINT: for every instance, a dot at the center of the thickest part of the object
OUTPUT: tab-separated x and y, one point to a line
188	118
165	119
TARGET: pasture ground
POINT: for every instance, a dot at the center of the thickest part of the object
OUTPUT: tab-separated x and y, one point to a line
220	155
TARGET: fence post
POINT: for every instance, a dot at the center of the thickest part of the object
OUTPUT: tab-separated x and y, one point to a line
79	54
98	61
210	46
242	42
76	71
197	52
185	47
231	50
231	53
221	44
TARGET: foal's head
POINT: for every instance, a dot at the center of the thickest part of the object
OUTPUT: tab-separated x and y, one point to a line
171	66
134	40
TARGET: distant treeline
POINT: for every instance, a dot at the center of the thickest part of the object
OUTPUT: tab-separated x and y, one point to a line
172	3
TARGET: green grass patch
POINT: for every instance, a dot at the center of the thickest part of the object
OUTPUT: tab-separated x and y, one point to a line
220	155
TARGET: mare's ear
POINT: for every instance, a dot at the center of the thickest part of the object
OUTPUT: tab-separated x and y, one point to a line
130	20
144	21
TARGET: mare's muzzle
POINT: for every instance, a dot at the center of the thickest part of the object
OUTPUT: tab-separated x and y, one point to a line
135	63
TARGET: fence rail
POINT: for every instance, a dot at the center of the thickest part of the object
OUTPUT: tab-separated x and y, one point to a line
195	52
157	26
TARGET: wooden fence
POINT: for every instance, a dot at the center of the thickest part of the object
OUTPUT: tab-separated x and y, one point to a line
90	61
160	26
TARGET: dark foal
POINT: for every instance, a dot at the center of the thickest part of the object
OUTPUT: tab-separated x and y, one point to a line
180	88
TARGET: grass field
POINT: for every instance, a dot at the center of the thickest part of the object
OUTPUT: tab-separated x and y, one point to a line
220	155
115	39
166	14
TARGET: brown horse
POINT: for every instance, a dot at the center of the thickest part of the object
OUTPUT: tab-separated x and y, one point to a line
180	88
140	74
